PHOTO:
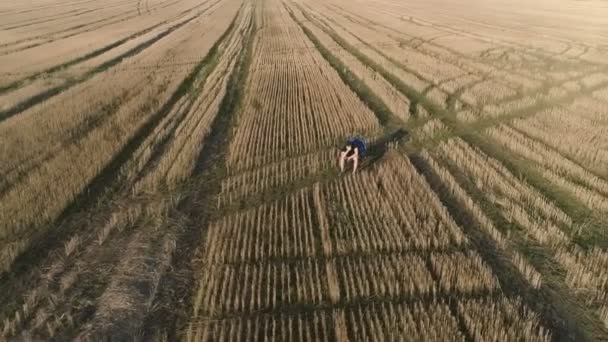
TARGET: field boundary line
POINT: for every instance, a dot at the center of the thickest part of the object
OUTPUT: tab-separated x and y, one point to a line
41	97
45	73
107	182
173	307
512	282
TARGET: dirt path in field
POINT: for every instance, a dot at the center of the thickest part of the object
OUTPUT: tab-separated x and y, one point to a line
47	94
51	71
172	306
141	283
566	324
82	287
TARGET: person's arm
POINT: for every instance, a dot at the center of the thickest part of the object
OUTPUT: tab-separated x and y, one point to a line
355	160
341	160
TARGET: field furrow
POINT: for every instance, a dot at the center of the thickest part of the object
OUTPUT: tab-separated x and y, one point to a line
128	119
289	170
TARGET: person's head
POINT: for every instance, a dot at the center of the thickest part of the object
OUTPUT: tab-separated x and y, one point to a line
349	146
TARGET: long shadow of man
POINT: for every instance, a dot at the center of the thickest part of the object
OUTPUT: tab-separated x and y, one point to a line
378	148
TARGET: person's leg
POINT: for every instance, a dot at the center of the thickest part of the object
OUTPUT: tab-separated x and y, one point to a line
342	159
354	160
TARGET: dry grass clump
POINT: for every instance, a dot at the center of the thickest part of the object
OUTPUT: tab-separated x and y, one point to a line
601	94
118	220
526	269
590	198
463	273
469	115
133	284
594	79
274	175
556	168
455	84
11	251
557	76
437	96
357	215
550	159
555	93
502	320
489	91
518	201
398	104
521	79
10	325
465	201
94	134
398	177
572	86
396	322
56	278
431	69
182	133
277	119
422	112
131	34
363	39
134	281
280	229
243	288
579	131
587	272
498	109
430	129
604	315
391	208
315	326
383	276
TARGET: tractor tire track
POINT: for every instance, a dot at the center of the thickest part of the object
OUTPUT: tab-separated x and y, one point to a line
33	21
45	7
90	206
89	126
172	305
68	15
13	176
416	42
95	53
41	97
87	27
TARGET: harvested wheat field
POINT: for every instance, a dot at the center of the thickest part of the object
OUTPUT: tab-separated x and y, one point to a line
169	170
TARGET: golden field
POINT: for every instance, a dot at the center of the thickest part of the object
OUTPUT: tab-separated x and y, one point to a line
168	170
